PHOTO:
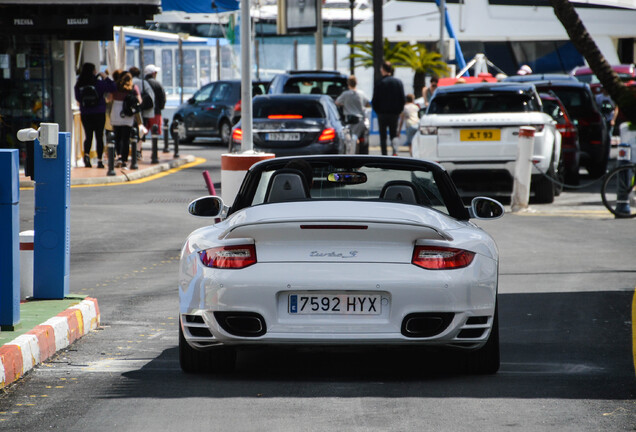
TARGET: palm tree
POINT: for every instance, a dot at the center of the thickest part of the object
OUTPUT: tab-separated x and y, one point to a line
363	54
402	54
423	62
624	97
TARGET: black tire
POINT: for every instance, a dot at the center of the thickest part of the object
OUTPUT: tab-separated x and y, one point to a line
597	166
560	179
620	179
486	360
544	188
225	132
572	177
218	359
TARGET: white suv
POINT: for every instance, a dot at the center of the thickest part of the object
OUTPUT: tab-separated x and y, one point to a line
473	131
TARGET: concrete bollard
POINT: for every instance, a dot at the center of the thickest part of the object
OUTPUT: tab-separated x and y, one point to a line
233	169
523	170
26	264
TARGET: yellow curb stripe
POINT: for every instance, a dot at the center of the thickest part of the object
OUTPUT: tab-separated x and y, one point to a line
197	161
80	321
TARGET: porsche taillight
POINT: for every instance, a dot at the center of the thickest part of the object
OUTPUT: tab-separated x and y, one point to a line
229	257
328	134
441	258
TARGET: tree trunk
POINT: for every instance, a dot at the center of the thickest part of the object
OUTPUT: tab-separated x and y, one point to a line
624	97
419	79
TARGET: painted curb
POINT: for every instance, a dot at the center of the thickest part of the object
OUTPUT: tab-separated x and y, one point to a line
30	349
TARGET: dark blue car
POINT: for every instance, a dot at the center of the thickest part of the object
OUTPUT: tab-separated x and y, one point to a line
211	111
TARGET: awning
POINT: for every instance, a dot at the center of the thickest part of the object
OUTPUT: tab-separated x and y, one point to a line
94	20
200	6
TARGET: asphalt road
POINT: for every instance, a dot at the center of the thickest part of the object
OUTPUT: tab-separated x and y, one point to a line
567	281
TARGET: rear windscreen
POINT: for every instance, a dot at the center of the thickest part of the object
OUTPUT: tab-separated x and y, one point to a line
288	107
575	100
328	86
473	103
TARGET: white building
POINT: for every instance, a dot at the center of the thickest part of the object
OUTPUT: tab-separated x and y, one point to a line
513	32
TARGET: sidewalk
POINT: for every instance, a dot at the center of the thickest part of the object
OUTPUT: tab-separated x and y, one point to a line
48	326
96	176
45	327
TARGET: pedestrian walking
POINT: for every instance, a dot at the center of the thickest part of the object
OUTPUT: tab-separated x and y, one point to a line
409	118
150	75
388	103
90	91
353	103
125	108
147	106
427	93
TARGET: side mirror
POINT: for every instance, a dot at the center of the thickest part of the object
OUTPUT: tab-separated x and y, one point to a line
209	206
485	208
191	101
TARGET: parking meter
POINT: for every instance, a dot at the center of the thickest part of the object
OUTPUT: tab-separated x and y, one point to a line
51	250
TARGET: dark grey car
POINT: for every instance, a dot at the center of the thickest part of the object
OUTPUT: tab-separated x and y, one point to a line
288	125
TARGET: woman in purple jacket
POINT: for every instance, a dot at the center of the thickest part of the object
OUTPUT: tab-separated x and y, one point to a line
89	92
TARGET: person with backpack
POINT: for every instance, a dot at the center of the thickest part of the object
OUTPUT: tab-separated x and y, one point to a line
147	104
90	89
126	106
150	75
353	103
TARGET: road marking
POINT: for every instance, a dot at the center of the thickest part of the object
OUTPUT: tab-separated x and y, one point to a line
634	328
197	161
586	214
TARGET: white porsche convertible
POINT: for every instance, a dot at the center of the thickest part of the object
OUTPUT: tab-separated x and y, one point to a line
340	250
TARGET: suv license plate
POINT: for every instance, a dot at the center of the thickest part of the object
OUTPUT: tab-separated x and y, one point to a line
282	137
480	135
338	304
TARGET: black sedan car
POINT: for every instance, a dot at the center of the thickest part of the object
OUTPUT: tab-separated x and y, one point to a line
289	125
594	139
211	111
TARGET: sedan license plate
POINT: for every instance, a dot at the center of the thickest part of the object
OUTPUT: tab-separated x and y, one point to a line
334	304
480	135
282	136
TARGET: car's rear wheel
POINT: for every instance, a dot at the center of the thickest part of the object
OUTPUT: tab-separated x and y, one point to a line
572	176
597	166
486	360
544	189
218	359
225	131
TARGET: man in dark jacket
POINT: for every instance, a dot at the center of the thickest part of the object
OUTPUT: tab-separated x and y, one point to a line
150	75
388	103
